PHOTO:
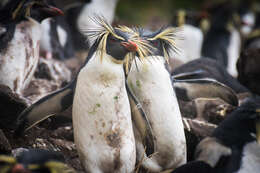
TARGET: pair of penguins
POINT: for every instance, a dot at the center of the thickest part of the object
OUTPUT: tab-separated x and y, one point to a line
20	34
105	137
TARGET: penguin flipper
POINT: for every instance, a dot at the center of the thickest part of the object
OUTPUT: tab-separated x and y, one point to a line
141	122
190	89
188	75
47	106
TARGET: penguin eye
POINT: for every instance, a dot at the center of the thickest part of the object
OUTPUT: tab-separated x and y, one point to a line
155	43
113	40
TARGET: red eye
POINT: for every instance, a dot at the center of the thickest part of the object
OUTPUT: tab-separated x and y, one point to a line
155	43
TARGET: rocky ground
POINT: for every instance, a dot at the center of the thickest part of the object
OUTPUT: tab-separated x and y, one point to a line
200	116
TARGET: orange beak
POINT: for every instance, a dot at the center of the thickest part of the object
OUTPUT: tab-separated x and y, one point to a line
53	11
129	45
19	168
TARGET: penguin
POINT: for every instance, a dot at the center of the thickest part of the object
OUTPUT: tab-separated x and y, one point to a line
222	42
34	161
190	89
56	39
191	36
20	36
208	68
100	102
78	18
151	83
247	64
233	146
247	18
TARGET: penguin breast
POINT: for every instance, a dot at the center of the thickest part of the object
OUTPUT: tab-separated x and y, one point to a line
19	60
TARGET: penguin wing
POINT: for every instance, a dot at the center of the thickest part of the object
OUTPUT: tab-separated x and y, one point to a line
47	106
188	75
190	89
141	122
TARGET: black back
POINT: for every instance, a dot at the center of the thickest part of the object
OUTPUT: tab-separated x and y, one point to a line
78	39
217	39
211	69
236	129
58	50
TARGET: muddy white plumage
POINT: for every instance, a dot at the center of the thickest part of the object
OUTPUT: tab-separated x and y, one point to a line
151	83
20	36
101	111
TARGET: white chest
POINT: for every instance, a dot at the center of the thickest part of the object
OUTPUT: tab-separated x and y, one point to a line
105	8
152	86
189	43
250	159
233	52
101	118
19	60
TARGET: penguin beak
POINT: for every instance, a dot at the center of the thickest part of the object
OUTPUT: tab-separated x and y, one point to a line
52	11
129	45
258	128
19	168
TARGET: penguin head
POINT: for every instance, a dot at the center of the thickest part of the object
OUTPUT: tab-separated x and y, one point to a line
121	43
40	10
161	41
17	10
242	125
118	48
34	161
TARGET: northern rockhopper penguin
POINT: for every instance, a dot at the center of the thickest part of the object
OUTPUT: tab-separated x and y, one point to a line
234	146
222	42
34	161
101	111
20	34
191	35
151	83
56	37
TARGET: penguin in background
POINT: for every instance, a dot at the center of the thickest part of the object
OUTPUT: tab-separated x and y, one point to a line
233	146
100	103
222	42
191	36
247	17
19	40
78	18
34	161
151	83
56	39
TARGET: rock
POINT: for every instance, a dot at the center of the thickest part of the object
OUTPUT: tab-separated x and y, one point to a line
195	131
5	147
39	88
52	69
208	110
11	105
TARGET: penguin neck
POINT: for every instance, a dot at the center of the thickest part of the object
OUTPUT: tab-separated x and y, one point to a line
106	63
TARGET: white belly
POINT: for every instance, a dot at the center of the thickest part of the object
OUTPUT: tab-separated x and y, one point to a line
19	61
189	42
250	159
102	120
105	8
233	53
152	86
